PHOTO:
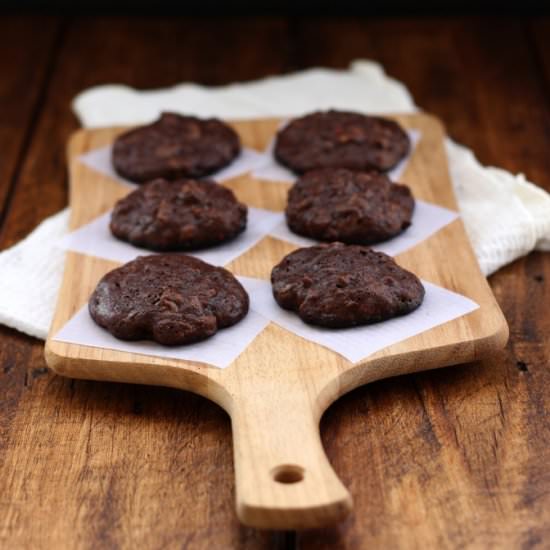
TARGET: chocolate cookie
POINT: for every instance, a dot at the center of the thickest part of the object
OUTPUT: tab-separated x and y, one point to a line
179	215
337	285
171	299
175	146
335	204
338	139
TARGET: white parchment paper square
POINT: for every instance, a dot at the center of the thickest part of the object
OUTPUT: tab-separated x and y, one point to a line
100	161
427	219
96	239
439	306
271	170
220	350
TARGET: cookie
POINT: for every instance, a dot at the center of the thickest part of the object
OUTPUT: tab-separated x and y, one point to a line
337	285
338	139
335	204
182	215
171	299
175	146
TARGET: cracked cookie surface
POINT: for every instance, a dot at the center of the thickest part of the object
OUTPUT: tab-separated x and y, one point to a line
348	206
340	139
178	215
175	146
171	299
337	285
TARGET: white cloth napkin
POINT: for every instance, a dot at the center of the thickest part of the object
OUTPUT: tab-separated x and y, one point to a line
506	216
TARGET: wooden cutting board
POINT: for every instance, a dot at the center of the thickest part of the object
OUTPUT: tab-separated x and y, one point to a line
278	388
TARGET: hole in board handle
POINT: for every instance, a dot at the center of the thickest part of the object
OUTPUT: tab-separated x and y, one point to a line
288	473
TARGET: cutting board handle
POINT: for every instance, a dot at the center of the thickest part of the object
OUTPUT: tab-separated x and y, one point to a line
283	477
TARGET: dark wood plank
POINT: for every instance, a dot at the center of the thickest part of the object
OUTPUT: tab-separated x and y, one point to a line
538	34
94	465
454	458
23	66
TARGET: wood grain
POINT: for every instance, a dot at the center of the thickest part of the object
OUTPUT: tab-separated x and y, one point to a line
278	388
379	438
24	69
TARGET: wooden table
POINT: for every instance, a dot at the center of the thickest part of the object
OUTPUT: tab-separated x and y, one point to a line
446	459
